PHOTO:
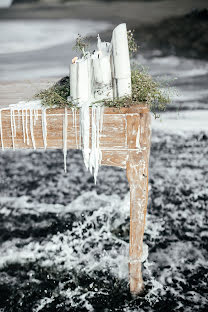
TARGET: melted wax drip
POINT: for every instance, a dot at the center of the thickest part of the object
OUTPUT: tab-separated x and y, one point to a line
65	126
90	146
1	131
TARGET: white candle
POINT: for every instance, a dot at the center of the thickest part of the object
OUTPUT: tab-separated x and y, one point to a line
80	81
102	78
73	82
121	62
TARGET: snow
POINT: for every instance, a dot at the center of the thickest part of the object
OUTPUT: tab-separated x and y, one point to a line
182	122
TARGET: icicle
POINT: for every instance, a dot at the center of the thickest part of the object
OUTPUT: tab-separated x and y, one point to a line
31	128
138	138
1	131
65	125
14	122
72	116
84	132
96	154
74	123
26	121
23	107
12	127
101	118
18	118
93	140
75	126
35	112
44	127
23	125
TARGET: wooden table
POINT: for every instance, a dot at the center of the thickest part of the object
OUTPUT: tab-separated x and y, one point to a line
124	142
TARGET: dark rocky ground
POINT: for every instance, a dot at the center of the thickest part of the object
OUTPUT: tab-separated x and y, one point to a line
46	262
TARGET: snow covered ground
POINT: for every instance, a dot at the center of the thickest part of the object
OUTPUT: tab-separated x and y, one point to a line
64	241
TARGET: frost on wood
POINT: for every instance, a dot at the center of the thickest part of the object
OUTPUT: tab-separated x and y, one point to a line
29	111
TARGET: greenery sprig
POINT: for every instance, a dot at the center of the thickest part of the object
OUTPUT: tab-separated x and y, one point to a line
81	45
133	46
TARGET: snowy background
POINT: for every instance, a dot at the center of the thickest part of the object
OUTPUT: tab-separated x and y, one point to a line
63	240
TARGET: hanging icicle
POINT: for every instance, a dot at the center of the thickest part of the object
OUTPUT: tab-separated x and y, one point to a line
44	127
26	108
19	119
26	127
96	153
23	125
85	133
31	128
1	131
65	126
12	127
138	137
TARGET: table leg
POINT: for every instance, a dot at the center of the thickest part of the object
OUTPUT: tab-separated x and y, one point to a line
138	134
137	174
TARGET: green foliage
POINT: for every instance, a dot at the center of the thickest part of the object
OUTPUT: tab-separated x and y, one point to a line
145	90
56	95
133	47
81	44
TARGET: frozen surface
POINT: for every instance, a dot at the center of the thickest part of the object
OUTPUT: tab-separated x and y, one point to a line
182	121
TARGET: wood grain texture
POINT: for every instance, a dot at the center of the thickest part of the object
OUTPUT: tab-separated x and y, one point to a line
137	174
124	142
15	91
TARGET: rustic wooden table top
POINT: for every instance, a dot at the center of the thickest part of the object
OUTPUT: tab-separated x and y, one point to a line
12	92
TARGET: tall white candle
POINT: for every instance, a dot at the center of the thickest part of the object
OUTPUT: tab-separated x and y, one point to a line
121	62
80	81
73	82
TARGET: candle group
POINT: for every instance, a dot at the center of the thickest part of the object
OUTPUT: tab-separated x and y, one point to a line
103	75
